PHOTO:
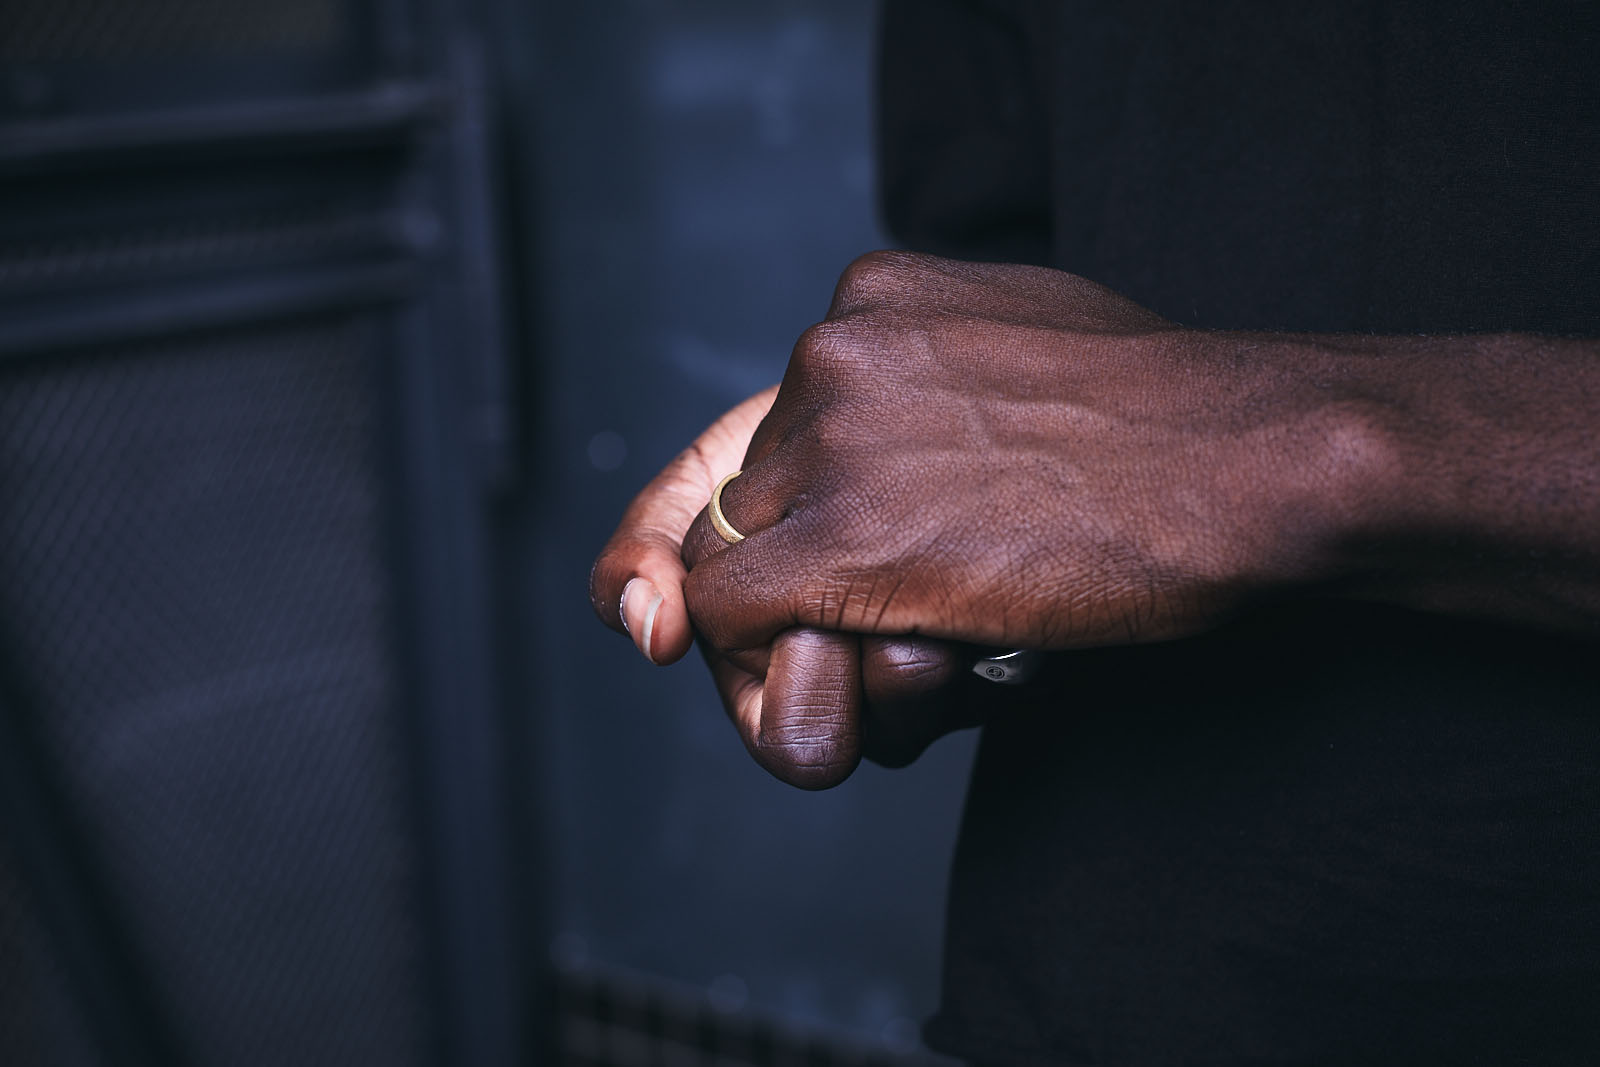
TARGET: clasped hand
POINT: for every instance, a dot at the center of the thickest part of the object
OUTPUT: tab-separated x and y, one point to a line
966	455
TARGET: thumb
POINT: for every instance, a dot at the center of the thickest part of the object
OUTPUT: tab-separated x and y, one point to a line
636	585
807	729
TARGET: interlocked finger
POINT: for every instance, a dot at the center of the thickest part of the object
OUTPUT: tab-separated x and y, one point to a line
755	500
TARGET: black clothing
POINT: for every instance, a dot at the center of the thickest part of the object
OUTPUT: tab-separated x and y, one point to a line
1329	833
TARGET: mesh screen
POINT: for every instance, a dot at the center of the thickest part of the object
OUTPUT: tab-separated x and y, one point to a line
50	30
607	1017
40	1022
192	580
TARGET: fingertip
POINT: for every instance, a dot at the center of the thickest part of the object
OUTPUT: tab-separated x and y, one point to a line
638	607
629	575
656	620
809	732
670	636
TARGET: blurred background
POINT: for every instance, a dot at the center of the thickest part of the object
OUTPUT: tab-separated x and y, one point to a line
334	337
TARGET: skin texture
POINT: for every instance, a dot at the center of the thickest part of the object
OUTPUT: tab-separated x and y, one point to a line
988	455
910	688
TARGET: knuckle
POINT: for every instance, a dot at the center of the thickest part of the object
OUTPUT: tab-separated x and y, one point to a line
821	348
846	358
873	278
908	666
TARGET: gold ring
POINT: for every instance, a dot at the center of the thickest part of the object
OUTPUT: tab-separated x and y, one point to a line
719	521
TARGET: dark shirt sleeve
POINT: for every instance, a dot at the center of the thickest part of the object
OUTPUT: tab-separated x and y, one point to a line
963	148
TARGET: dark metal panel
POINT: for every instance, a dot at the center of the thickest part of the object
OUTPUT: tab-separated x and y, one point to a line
259	300
258	127
108	57
182	217
453	405
198	605
71	991
472	193
460	750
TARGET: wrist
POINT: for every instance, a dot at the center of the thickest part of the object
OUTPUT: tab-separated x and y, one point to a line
1343	474
1460	473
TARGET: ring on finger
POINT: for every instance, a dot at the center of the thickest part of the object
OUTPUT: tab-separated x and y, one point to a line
719	521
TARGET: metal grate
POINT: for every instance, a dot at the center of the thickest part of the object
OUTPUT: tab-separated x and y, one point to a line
192	580
35	31
189	247
607	1017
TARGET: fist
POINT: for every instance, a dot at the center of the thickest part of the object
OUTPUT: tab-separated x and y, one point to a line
1016	457
977	455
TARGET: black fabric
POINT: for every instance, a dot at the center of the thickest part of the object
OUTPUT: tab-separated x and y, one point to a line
1334	833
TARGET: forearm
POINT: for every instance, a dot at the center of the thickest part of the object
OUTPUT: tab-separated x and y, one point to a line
1482	495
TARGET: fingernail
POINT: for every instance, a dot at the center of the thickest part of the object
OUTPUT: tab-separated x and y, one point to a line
622	604
638	608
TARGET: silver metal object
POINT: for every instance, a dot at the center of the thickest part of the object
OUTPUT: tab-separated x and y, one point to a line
1008	668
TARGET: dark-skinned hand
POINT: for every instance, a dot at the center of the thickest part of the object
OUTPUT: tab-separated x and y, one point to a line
1008	456
919	425
902	693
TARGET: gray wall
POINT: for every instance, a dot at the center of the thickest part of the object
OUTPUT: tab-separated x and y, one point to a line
703	172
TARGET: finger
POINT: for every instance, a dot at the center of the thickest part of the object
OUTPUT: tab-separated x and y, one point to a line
801	723
741	502
647	605
756	500
822	565
907	668
914	692
742	596
740	690
636	585
808	729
